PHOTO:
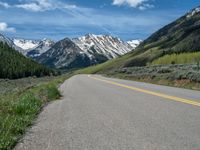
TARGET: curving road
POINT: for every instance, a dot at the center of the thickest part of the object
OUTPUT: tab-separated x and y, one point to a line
98	113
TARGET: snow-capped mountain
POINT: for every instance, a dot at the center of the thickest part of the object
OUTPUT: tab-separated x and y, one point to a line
33	48
65	54
110	47
193	12
41	48
134	43
84	51
26	44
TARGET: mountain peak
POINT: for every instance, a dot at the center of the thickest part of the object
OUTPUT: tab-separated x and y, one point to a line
26	44
134	43
110	47
84	51
33	48
193	12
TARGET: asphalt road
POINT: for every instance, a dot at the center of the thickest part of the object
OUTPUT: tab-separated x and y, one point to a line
98	113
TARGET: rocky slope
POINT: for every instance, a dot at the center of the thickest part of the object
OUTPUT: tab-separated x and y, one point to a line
134	43
33	48
26	44
43	46
84	51
65	54
110	47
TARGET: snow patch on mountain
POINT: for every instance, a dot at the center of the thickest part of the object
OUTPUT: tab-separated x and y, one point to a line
26	44
134	43
193	12
33	48
43	46
84	51
110	47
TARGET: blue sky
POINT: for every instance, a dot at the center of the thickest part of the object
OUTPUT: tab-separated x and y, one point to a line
57	19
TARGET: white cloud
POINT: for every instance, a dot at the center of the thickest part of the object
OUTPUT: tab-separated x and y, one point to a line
44	5
146	6
4	27
30	6
141	4
132	3
6	5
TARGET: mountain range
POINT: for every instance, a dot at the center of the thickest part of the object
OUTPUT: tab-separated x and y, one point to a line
72	53
77	52
180	36
84	51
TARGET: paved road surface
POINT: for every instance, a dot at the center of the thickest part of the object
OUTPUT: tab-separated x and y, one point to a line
97	114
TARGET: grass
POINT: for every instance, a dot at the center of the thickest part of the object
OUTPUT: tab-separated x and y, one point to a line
18	109
105	67
10	86
184	58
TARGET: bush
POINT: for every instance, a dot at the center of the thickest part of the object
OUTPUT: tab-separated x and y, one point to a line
184	58
171	72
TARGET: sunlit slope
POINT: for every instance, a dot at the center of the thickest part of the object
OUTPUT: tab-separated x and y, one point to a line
181	36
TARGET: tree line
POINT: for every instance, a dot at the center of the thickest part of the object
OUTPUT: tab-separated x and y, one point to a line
14	65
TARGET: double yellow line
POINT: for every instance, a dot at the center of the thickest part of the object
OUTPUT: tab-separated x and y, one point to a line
173	98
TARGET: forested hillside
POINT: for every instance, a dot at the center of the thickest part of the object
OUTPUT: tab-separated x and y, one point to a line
13	65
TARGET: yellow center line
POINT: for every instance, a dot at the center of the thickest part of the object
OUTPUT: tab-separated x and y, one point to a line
174	98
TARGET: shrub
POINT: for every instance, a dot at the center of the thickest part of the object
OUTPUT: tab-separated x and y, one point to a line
184	58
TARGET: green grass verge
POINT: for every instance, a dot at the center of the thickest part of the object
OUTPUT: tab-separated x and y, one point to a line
105	67
184	58
19	109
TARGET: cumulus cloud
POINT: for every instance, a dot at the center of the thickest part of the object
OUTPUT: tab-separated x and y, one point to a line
141	4
4	27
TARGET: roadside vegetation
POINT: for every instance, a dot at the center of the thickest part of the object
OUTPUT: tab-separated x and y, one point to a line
18	85
19	108
178	75
184	58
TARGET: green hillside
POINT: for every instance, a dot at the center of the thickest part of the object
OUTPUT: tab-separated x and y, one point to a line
13	65
181	36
